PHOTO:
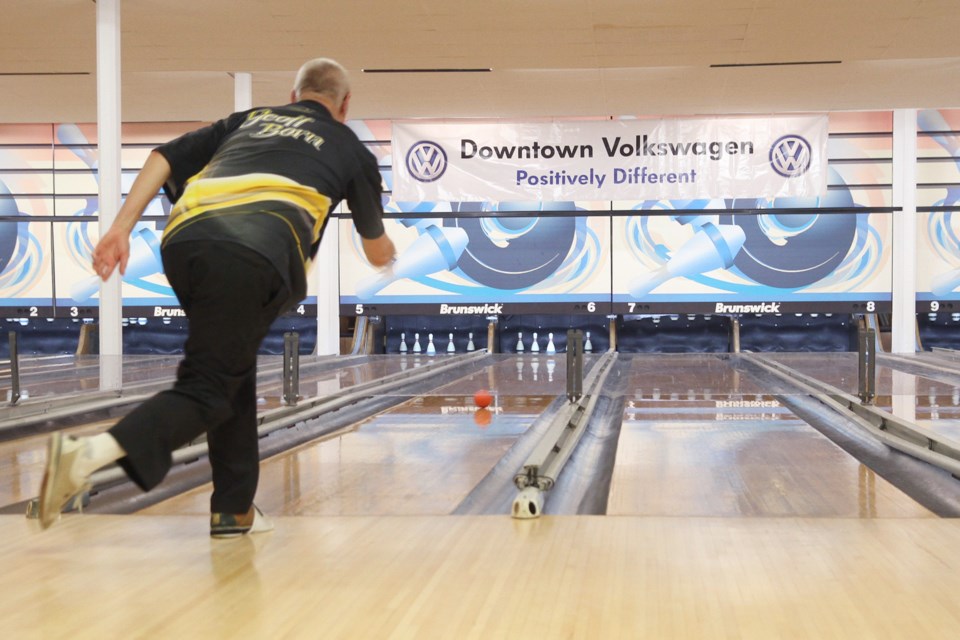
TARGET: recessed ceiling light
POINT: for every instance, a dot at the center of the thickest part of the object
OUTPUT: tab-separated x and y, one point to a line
774	64
45	73
478	70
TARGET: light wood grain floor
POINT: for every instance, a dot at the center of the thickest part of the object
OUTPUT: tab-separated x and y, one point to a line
482	577
749	467
870	565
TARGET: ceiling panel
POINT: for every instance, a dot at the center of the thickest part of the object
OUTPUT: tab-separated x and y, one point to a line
549	57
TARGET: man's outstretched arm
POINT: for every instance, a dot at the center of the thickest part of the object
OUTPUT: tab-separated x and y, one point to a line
114	246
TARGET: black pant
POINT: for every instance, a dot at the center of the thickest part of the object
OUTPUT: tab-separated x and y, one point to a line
231	296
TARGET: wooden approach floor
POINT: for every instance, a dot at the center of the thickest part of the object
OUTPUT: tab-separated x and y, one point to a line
603	577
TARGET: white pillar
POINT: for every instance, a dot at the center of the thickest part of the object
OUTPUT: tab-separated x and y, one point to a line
326	271
242	91
904	329
108	146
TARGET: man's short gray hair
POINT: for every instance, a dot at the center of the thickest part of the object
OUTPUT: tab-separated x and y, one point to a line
323	76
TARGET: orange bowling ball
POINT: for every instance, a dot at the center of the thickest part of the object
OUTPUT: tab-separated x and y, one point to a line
482	398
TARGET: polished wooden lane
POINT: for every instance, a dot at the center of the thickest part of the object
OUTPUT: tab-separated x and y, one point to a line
392	464
22	460
481	577
745	468
841	370
21	468
703	441
69	375
928	402
420	458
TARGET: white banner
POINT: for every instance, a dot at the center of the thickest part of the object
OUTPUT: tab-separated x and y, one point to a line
736	157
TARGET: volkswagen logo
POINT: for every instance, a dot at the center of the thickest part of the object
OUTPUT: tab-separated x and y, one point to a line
790	156
426	161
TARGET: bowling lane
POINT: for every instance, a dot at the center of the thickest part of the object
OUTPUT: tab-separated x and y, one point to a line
701	439
45	377
68	375
22	460
930	403
419	458
72	379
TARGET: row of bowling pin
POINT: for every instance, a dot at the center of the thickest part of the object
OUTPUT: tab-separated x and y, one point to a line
551	349
451	348
431	348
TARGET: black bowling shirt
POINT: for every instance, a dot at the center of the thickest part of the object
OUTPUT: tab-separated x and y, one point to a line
267	179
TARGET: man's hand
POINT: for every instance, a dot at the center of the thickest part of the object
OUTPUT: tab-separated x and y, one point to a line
113	249
379	251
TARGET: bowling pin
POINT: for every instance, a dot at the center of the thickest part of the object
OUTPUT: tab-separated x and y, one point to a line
535	347
470	346
416	343
551	348
437	249
711	247
520	342
431	350
587	345
450	347
403	343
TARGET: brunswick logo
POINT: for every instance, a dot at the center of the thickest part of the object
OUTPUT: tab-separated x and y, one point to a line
426	161
790	156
